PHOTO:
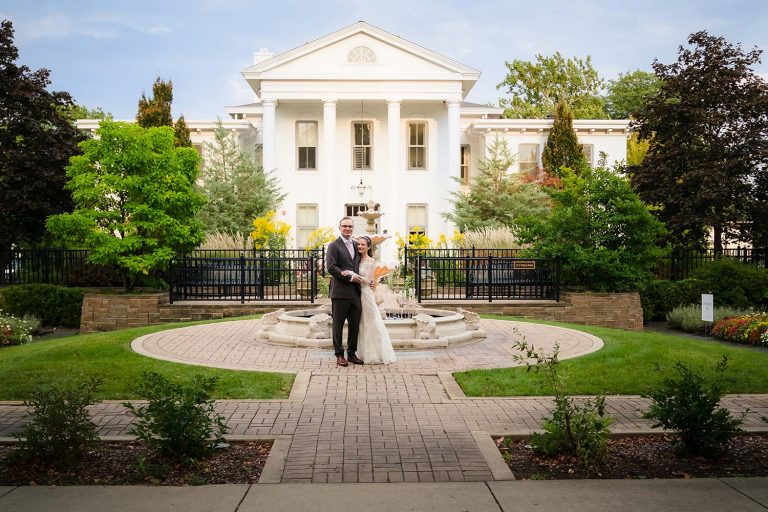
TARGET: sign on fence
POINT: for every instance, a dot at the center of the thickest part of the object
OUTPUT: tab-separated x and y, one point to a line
707	307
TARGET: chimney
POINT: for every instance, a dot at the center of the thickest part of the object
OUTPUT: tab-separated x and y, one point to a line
262	55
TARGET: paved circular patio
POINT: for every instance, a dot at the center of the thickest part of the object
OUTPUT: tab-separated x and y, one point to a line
233	345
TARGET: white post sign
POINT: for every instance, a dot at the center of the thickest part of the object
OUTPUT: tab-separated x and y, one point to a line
707	307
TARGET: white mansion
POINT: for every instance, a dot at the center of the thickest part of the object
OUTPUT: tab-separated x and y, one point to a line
362	104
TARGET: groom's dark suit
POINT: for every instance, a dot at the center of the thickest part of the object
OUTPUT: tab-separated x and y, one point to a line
345	295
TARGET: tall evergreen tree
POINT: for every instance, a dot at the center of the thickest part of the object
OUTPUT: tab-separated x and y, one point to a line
156	111
181	136
496	198
236	189
562	148
36	142
708	154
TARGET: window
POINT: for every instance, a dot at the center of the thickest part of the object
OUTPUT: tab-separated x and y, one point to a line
589	153
361	55
528	157
416	218
417	145
258	155
353	210
306	143
362	150
465	164
306	223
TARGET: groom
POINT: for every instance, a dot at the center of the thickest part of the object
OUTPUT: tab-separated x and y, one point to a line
343	263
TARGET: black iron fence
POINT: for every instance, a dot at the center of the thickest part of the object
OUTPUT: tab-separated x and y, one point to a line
411	253
270	274
64	267
681	264
243	278
486	278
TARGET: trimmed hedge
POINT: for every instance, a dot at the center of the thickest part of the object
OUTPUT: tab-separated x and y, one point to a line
734	283
53	305
659	297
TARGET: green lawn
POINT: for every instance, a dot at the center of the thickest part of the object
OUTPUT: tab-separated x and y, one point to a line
625	365
108	355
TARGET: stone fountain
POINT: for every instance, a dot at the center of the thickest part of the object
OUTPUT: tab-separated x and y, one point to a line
410	327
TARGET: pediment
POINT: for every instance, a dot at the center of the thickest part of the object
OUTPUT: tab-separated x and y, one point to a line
360	52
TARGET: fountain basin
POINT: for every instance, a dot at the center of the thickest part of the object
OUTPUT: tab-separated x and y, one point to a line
409	328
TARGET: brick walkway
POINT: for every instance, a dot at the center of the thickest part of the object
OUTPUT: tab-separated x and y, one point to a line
405	422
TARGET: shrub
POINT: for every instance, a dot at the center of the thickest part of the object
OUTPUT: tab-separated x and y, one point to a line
179	421
689	404
579	429
15	331
734	283
688	318
61	430
660	296
746	329
53	305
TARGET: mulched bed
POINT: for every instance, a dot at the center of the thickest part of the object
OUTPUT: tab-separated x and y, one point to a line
133	464
649	456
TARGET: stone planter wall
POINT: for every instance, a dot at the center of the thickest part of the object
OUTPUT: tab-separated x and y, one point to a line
618	310
111	312
104	312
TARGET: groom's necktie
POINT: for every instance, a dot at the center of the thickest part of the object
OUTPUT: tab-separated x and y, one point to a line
349	248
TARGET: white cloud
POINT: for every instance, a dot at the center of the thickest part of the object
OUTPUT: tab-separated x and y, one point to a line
238	91
62	26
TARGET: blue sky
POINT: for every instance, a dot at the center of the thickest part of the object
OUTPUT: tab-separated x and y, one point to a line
106	53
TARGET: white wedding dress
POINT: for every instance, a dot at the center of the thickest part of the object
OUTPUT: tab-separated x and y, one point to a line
373	345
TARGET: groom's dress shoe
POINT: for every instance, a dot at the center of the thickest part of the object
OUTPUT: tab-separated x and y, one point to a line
341	361
356	360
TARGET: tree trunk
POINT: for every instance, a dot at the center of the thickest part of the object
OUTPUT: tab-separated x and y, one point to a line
718	240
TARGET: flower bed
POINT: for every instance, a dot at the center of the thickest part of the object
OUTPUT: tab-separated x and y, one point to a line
15	331
746	330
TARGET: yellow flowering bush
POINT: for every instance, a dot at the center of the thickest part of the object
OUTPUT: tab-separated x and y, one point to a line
319	238
270	233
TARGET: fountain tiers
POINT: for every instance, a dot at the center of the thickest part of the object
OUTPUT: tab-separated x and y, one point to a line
425	329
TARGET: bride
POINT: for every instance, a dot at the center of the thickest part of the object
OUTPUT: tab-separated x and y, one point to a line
374	345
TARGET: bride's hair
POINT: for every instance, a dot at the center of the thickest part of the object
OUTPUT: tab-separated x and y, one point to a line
370	245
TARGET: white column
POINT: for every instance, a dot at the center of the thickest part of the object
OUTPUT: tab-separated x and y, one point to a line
389	203
330	208
268	134
454	145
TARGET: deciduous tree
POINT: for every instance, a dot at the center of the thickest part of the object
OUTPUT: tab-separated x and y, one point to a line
604	235
535	87
36	141
706	164
135	202
627	94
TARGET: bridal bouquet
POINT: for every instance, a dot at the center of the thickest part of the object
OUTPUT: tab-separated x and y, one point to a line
380	273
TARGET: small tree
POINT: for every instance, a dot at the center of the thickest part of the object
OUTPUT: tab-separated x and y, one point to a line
236	189
562	148
689	404
604	235
134	197
497	198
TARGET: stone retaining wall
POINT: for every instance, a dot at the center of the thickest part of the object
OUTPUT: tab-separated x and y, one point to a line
111	312
618	310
